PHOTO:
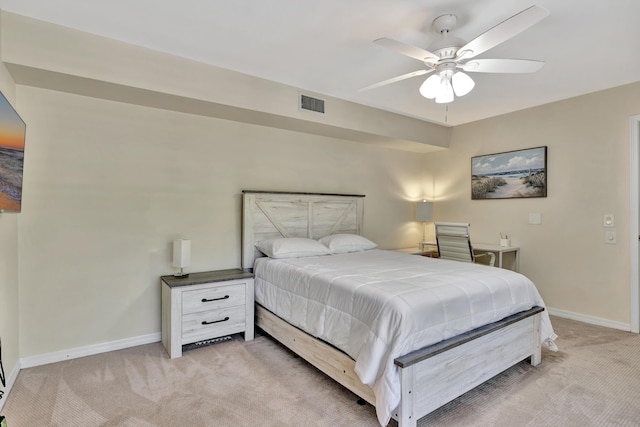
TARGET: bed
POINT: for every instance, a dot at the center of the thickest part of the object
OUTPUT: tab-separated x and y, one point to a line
385	353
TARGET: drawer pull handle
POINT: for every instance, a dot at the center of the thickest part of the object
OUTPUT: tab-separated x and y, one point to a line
204	322
215	299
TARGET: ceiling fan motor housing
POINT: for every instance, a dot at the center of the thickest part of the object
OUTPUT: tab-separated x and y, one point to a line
446	68
446	46
444	23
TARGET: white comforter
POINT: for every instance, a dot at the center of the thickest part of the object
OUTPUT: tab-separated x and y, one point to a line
378	305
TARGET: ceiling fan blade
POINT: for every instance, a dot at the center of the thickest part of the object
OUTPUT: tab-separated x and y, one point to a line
406	49
502	66
396	79
503	31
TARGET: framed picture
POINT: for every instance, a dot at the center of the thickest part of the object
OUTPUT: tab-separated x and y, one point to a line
509	175
12	135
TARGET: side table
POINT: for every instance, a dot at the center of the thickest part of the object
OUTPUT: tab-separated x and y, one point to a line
207	305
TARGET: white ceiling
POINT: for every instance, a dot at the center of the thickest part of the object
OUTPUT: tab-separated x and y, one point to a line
326	46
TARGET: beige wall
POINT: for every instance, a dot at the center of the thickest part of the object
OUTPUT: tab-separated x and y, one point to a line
121	160
9	280
588	173
110	185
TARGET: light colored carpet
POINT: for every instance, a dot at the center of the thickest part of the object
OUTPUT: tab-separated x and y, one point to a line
593	381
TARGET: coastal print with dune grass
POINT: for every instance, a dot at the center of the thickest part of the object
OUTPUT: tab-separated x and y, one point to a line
12	132
509	175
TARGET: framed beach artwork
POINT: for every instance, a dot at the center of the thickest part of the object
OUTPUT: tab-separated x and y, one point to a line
509	175
12	135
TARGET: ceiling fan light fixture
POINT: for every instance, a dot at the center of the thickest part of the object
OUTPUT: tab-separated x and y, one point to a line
431	86
445	93
462	83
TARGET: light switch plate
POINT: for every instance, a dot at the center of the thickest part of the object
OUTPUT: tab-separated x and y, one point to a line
609	220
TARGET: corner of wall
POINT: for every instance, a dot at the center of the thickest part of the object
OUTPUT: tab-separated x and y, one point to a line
11	379
9	279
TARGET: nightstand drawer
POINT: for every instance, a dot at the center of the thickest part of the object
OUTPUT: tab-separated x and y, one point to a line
213	298
214	323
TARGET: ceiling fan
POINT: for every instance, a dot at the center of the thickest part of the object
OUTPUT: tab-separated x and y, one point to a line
449	56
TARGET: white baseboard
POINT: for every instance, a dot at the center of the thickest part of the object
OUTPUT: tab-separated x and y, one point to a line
74	353
589	319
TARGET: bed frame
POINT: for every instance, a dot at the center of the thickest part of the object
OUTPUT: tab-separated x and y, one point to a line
431	376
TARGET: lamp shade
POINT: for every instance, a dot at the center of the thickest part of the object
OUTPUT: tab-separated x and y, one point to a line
445	95
446	82
181	253
462	83
429	89
424	211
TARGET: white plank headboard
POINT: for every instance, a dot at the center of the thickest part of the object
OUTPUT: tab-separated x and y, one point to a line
268	215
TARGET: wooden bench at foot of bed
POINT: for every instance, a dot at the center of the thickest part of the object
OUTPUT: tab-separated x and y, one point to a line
431	376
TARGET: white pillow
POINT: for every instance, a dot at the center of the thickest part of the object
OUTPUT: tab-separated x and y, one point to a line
343	243
292	247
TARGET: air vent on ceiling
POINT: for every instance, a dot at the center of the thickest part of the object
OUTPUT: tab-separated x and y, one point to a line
311	104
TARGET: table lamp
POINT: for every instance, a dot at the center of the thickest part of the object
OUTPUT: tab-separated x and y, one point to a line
181	256
424	213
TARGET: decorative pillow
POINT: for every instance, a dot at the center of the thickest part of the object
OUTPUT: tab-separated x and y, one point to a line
343	243
292	247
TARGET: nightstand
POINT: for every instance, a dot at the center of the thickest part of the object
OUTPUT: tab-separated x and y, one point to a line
424	251
204	306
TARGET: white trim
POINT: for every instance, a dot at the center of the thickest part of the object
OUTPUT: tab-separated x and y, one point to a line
592	320
10	381
74	353
634	219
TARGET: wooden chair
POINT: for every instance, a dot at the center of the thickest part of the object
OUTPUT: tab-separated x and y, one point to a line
454	243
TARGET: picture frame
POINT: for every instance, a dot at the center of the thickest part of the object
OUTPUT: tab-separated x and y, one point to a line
12	141
510	174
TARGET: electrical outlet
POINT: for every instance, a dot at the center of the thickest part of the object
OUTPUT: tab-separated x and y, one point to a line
535	218
610	237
